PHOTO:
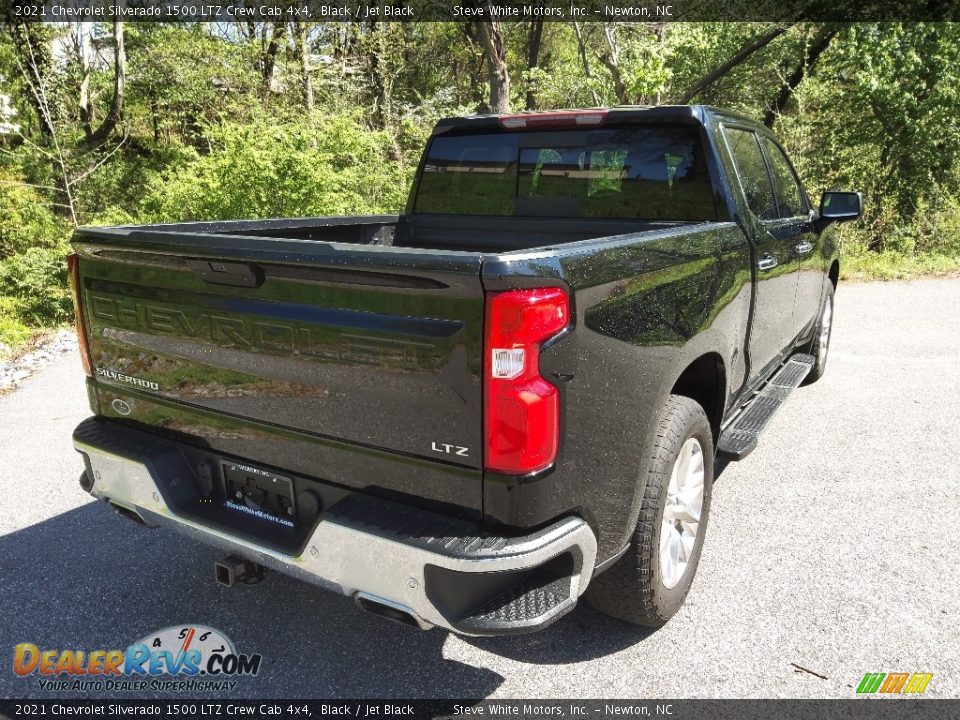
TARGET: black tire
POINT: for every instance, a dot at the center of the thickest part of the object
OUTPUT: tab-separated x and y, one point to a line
819	340
633	589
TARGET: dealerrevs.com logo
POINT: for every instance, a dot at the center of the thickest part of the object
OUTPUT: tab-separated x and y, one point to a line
181	658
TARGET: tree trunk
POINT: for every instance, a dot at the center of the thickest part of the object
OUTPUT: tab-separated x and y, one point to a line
534	41
476	64
491	38
32	45
303	50
82	46
815	49
378	78
268	60
34	57
659	30
582	50
115	113
742	55
611	60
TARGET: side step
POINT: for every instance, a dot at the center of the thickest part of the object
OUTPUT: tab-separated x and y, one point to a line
740	437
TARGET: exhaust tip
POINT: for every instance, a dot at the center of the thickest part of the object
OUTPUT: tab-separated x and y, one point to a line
389	610
86	481
127	513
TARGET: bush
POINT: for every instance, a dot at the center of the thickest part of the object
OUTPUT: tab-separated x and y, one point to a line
25	220
112	193
938	228
284	167
13	331
33	272
34	287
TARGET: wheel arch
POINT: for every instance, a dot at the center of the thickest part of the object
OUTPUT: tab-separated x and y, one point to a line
705	381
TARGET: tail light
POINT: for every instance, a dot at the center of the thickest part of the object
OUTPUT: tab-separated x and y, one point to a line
73	267
521	409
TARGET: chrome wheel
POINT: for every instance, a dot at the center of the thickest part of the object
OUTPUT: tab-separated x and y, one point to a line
823	343
681	516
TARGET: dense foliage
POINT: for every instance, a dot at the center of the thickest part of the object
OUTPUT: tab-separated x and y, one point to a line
135	123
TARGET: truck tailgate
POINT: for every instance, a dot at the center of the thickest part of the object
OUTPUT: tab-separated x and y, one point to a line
331	360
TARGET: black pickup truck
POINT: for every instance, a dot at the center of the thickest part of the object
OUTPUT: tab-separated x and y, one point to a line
471	414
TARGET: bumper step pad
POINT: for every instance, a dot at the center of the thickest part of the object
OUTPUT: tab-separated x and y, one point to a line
529	606
740	437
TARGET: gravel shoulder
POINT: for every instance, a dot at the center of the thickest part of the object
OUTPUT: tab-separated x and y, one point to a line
17	367
831	548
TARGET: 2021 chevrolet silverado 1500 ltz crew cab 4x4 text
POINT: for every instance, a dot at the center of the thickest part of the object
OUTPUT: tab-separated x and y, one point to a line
471	414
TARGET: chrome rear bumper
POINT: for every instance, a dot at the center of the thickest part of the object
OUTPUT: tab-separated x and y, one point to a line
438	571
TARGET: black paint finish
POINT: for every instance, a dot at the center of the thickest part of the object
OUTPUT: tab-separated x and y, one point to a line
338	349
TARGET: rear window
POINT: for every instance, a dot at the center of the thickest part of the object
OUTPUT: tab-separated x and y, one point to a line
651	173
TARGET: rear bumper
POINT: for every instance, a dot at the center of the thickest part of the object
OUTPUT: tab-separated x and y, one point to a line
434	570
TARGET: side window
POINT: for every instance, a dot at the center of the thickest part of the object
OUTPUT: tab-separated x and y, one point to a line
752	171
786	187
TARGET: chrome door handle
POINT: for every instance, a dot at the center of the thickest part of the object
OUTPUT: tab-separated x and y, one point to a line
767	262
804	247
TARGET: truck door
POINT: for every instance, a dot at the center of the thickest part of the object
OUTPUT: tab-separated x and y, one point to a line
775	257
795	227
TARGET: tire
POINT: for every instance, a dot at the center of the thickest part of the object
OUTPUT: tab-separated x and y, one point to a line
820	345
640	587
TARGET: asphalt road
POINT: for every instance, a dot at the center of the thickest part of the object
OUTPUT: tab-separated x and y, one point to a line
833	547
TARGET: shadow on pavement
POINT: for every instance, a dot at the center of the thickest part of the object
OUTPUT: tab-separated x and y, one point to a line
719	465
89	580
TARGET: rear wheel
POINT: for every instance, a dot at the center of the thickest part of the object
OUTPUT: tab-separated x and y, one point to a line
820	345
650	582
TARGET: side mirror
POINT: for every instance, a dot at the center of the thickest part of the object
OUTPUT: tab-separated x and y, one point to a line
840	206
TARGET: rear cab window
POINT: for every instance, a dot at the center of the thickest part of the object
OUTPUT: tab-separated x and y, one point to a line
650	172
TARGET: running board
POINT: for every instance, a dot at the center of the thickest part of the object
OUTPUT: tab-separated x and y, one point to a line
739	438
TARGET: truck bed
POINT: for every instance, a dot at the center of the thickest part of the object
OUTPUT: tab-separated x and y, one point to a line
327	347
479	234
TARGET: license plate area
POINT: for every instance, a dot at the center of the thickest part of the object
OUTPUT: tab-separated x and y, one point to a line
259	493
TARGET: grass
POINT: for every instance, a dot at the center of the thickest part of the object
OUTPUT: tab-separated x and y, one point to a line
24	340
867	266
14	333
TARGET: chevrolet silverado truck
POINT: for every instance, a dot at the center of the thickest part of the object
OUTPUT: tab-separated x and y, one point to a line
471	414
